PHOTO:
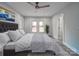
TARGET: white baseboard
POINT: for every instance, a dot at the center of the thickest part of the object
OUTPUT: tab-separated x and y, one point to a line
72	48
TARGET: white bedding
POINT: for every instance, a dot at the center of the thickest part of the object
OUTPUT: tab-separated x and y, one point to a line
4	39
38	42
24	43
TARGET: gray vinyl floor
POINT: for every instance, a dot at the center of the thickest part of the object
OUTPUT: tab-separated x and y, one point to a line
67	52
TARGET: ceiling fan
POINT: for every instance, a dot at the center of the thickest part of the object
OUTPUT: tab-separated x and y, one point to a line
36	5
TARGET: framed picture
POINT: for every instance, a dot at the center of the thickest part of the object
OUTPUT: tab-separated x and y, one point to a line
6	14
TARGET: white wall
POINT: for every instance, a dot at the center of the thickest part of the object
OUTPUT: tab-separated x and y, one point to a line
28	23
18	17
20	20
71	24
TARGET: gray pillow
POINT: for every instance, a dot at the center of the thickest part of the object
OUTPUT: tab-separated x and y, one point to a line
22	32
4	38
14	35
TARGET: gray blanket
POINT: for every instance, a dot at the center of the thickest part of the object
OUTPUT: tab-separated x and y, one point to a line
38	42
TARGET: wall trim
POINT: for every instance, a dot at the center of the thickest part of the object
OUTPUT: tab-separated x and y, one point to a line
72	48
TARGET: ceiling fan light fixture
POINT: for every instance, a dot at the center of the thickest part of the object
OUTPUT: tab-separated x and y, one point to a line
37	5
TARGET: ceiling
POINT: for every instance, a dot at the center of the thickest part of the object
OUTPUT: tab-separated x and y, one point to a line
27	10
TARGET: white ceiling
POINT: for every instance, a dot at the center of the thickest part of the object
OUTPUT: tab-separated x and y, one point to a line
27	10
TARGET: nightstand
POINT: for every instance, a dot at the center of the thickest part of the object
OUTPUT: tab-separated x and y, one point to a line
1	51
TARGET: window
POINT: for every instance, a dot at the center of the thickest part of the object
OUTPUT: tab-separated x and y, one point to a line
41	26
37	27
34	26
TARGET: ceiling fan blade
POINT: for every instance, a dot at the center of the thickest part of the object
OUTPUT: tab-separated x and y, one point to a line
31	3
37	6
44	6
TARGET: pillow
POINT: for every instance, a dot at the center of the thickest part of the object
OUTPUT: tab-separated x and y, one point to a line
14	35
22	32
6	33
4	38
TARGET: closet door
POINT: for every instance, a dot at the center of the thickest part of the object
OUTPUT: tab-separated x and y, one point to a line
61	28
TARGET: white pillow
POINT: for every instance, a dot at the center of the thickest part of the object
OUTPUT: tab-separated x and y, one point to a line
14	35
6	32
22	32
4	38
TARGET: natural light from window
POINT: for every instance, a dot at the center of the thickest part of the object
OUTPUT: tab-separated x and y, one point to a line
41	26
37	26
34	26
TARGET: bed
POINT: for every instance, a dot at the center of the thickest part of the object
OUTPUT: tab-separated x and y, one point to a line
35	42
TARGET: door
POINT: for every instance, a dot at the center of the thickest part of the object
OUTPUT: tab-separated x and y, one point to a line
61	28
